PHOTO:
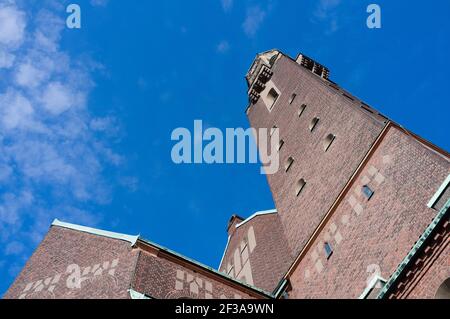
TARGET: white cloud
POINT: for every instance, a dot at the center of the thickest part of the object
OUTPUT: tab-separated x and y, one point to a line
12	25
11	206
99	3
227	5
326	11
53	151
253	20
6	59
58	98
29	76
14	248
325	8
16	110
223	47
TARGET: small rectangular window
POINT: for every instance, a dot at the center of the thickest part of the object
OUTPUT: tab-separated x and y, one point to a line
293	96
280	145
273	129
367	192
328	250
288	163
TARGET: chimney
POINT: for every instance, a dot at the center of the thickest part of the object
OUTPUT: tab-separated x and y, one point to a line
234	220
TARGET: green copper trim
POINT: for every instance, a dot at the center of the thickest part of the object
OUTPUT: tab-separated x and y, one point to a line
439	192
280	288
417	246
137	295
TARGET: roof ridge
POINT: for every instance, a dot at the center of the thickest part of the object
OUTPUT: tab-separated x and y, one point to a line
132	239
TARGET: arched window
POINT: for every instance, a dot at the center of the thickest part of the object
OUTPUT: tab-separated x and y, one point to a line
313	123
299	186
301	109
328	141
292	98
288	163
444	290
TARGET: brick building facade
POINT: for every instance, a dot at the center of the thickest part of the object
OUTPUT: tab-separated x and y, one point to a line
362	211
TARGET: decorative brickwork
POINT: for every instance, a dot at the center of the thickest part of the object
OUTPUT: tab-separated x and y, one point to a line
357	191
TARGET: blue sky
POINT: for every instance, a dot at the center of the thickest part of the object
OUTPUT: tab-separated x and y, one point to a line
86	115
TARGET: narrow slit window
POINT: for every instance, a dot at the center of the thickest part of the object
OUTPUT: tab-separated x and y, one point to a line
288	163
299	187
272	97
328	141
273	129
313	124
367	191
328	250
292	98
280	145
301	109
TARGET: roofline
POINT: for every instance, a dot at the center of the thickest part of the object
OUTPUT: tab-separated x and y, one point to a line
134	240
94	231
439	192
224	252
264	212
205	267
261	53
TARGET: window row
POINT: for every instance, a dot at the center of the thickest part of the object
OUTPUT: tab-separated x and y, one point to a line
328	140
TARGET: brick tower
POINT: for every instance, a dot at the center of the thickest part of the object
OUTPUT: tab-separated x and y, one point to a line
354	192
362	211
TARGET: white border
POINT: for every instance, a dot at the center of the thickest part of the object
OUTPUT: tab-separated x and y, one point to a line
129	238
439	192
264	212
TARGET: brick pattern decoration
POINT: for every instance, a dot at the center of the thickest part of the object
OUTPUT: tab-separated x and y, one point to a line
269	259
371	237
163	278
69	264
429	268
325	173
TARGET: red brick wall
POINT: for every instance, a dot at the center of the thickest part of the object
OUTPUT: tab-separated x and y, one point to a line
376	240
271	257
162	278
105	266
429	269
325	172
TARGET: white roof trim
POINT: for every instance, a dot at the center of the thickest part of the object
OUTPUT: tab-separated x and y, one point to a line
265	212
439	192
129	238
371	285
224	252
137	295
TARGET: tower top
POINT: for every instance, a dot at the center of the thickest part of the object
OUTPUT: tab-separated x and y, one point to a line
261	70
